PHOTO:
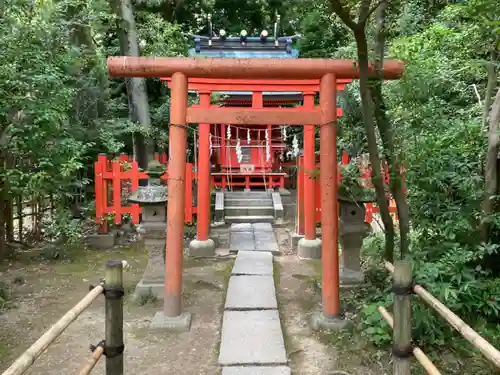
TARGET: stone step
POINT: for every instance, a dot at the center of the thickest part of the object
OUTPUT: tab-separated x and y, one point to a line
249	219
251	292
247	194
252	338
248	211
267	202
256	370
251	227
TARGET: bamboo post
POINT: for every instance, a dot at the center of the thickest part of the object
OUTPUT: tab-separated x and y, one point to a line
92	361
488	350
417	352
34	351
113	291
402	288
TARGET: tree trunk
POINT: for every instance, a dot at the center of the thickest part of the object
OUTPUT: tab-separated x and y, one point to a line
490	88
368	116
386	133
90	101
3	205
490	175
136	87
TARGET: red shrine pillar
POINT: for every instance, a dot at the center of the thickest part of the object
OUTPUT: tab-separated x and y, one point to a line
309	246
329	203
203	246
172	316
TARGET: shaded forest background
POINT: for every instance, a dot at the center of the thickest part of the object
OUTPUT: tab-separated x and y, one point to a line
59	110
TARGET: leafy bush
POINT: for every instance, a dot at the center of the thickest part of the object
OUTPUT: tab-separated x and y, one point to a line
457	279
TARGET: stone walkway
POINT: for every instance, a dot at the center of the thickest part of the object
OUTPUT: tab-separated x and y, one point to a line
253	237
252	340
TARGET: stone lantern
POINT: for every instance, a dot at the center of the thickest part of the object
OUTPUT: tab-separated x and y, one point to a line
153	198
353	230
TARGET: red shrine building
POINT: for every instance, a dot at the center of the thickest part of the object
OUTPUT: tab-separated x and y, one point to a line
247	157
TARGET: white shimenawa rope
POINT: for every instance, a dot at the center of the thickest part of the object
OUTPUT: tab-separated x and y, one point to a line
268	147
295	146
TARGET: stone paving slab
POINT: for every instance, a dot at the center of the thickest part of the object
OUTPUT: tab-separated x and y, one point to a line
263	227
264	235
266	246
265	241
251	292
256	370
252	337
253	263
241	241
241	227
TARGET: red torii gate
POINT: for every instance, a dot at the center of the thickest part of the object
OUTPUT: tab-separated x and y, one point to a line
328	72
205	87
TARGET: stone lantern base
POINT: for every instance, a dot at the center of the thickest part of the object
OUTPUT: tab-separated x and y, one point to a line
353	230
350	271
153	279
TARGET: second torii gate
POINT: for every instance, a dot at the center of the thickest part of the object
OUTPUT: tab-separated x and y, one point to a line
309	246
328	72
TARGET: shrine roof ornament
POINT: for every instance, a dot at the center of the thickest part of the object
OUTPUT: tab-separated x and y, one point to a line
243	45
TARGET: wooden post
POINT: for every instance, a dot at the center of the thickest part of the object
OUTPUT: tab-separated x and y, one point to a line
328	191
176	197
402	348
113	291
309	167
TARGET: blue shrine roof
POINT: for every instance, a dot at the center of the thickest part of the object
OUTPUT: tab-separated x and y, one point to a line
253	48
246	54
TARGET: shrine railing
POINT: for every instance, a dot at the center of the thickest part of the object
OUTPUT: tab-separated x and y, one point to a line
400	321
371	208
111	347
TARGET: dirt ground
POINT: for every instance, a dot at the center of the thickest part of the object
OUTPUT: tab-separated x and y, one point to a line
48	291
44	292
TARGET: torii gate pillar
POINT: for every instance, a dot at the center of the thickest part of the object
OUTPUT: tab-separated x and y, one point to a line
203	246
309	247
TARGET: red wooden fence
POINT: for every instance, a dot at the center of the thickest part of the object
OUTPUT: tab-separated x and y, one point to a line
371	208
116	179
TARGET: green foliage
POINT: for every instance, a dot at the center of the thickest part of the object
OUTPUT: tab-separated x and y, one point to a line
63	228
437	118
351	188
322	34
456	279
37	93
